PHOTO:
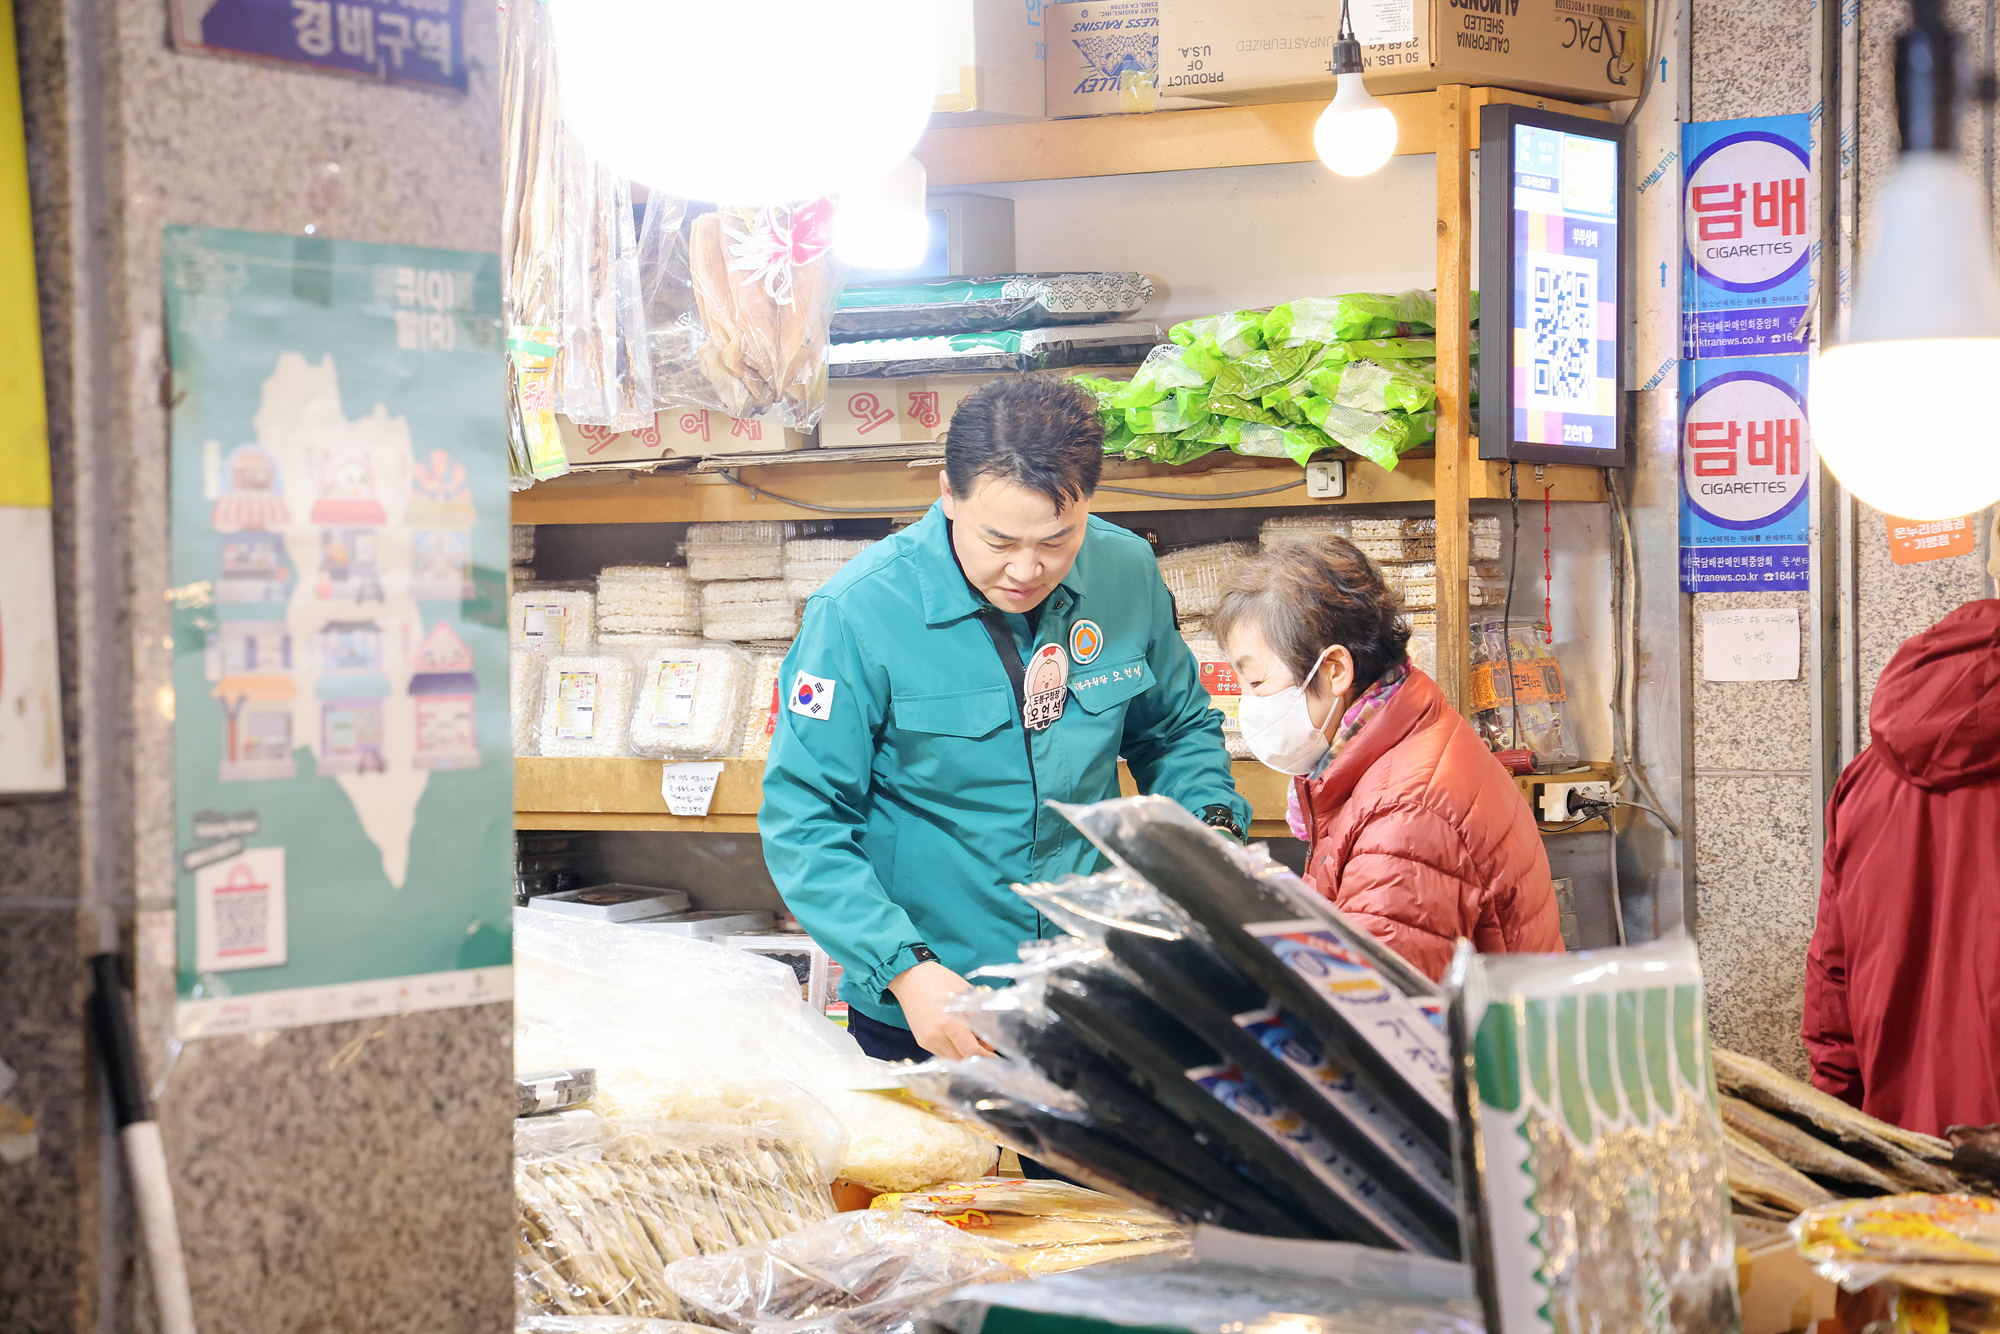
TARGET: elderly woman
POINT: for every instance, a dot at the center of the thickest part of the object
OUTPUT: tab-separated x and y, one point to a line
1415	829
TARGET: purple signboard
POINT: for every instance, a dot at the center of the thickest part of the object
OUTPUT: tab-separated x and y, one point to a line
418	42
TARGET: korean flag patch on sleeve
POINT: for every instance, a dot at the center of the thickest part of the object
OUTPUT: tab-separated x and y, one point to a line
812	697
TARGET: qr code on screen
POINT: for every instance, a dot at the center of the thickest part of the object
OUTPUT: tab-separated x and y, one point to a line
1562	330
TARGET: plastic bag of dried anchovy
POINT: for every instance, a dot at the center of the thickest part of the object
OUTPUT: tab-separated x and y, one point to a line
1590	1149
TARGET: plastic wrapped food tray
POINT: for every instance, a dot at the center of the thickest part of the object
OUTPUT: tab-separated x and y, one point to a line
521	544
689	702
997	353
1196	576
586	704
524	697
748	609
761	705
552	618
647	600
606	1206
812	562
1283	528
752	549
903	309
1056	1225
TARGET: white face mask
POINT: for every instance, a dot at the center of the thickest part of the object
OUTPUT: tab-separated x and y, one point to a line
1279	728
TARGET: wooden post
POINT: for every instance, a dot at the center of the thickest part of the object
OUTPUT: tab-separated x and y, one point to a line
1456	464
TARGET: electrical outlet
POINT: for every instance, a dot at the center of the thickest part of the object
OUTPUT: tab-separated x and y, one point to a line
1326	481
1563	802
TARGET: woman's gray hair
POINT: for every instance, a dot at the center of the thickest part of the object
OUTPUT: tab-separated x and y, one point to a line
1310	594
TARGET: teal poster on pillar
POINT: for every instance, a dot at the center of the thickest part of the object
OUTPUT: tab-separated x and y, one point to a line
343	775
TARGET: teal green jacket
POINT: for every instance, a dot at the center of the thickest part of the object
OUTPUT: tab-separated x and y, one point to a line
899	805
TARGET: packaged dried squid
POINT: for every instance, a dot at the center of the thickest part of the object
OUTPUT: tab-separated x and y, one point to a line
1591	1153
605	1206
689	701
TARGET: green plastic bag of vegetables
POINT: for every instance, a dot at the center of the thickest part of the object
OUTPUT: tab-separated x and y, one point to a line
1164	371
1405	386
1244	409
1257	372
1336	319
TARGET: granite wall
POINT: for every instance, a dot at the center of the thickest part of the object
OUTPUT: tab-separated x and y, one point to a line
348	1177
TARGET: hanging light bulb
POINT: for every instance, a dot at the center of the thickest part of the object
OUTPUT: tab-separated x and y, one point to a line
1356	134
882	224
746	101
1926	312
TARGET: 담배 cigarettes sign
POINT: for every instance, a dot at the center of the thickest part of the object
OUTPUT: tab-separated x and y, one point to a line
1747	225
1750	644
1746	462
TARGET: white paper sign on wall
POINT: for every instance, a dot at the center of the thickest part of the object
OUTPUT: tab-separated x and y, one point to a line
1750	644
688	789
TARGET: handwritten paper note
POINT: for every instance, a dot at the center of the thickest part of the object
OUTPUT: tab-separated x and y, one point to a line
1750	645
689	788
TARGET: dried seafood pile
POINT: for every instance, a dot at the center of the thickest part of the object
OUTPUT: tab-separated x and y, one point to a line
605	1206
1793	1148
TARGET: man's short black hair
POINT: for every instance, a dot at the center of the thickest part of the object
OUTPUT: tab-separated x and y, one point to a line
1037	431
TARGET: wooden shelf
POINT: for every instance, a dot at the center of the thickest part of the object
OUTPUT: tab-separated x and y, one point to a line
624	793
890	487
1251	136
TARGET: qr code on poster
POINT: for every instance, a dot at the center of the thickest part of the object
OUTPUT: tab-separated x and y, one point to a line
1562	330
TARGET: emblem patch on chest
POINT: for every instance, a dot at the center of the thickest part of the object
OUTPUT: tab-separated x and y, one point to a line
1047	680
1086	641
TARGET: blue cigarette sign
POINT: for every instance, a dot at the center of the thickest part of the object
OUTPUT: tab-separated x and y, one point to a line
1748	234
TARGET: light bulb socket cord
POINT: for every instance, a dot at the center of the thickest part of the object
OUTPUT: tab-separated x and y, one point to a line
1346	51
1927	81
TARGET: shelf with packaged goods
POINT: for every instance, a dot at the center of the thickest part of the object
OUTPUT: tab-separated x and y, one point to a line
624	794
890	487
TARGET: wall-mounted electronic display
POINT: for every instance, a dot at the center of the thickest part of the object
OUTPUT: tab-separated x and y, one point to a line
1551	266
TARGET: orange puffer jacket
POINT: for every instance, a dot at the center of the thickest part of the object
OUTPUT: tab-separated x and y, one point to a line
1421	835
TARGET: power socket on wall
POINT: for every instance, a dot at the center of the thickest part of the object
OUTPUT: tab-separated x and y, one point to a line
1563	802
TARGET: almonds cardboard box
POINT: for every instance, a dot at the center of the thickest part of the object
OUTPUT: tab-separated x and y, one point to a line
1243	51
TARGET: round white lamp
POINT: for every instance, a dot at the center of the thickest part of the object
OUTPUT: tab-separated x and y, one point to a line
1356	134
746	101
881	223
1897	408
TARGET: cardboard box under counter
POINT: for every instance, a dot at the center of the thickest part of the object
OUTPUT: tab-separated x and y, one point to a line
1246	51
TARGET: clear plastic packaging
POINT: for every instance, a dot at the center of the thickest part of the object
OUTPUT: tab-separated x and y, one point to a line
892	1145
748	609
766	285
524	697
521	544
812	562
552	618
1283	528
910	308
1423	647
1055	1225
605	1207
586	704
858	1273
1208	1297
689	702
1225	692
602	1324
752	549
1534	694
1196	576
647	600
530	241
1590	1151
761	703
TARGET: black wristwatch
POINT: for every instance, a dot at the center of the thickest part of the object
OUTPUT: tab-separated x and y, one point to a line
1221	817
922	953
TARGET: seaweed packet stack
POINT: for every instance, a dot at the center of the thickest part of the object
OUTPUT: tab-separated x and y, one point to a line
1590	1152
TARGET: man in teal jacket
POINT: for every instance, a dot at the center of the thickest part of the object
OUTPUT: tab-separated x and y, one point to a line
1001	653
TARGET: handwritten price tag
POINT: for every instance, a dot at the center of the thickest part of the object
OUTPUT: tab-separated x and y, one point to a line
689	788
1750	645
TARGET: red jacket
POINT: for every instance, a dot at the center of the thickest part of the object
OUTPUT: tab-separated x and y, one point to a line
1418	832
1902	1015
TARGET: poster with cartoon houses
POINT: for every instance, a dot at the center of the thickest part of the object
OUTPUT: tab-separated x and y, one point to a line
343	778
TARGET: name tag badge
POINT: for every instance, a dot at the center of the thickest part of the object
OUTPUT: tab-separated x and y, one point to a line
1047	683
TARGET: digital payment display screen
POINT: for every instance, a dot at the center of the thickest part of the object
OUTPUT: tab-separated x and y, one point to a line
1551	346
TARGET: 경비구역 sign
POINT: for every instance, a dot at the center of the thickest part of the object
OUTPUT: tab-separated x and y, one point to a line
419	42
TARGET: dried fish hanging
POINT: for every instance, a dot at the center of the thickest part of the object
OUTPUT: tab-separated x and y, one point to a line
766	284
604	369
1591	1151
529	223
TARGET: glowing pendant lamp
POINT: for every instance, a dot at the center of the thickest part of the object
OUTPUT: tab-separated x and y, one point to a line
1356	134
1926	320
746	101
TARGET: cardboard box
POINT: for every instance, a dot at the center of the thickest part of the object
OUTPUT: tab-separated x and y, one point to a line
907	411
1244	51
989	61
911	411
677	433
1104	60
